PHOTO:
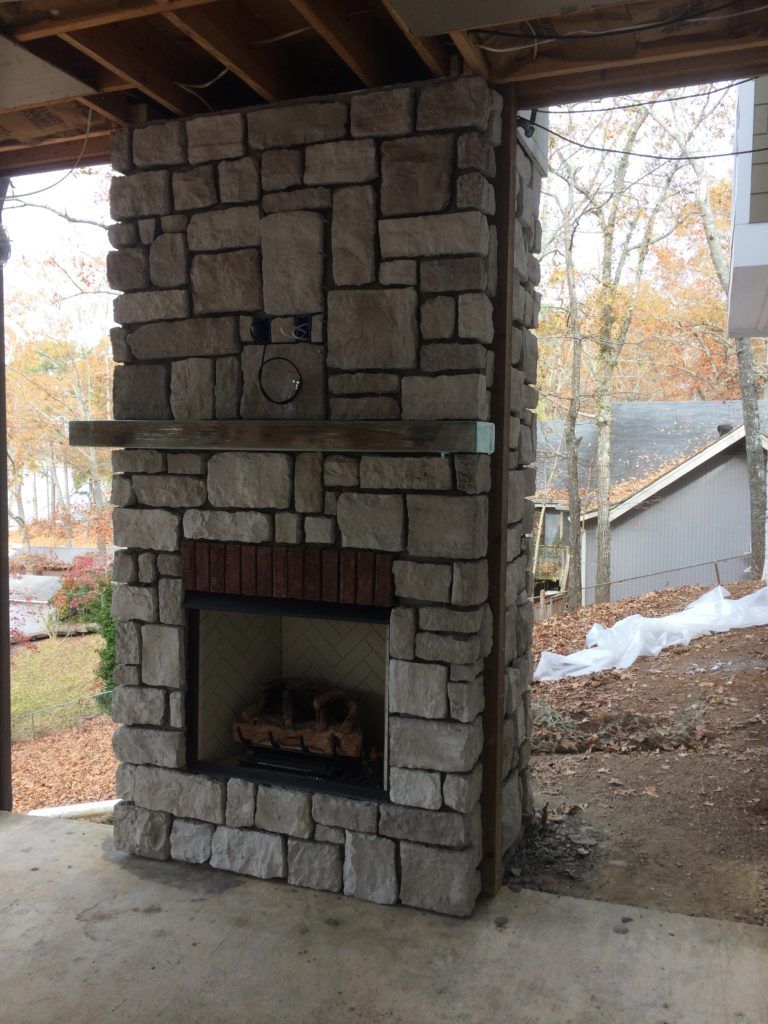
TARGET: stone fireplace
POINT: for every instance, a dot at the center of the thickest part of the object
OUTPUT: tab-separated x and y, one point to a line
351	242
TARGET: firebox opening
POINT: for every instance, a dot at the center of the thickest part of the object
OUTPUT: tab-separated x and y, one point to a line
288	691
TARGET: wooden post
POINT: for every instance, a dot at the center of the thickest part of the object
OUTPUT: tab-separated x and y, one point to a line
6	793
496	663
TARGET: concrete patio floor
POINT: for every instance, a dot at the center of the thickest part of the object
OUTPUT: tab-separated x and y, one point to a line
88	935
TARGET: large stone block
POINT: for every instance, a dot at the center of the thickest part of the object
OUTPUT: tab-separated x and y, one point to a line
442	234
228	388
398	272
239	180
476	317
226	282
138	603
146	528
192	389
162	656
447	527
340	163
191	841
140	195
450	620
142	307
371	521
470	583
250	480
308	483
364	384
298	199
315	865
142	833
473	473
281	168
436	746
454	275
341	471
149	746
180	793
284	810
417	688
159	145
352	235
372	329
461	792
416	174
475	192
371	407
141	393
339	812
249	527
423	581
466	699
241	803
127	269
215	137
135	460
413	788
260	854
402	633
210	336
458	396
170	594
438	828
451	355
463	650
296	124
370	872
194	189
169	491
293	246
278	380
137	705
398	473
445	881
122	235
438	317
168	261
474	152
128	643
382	113
464	102
236	228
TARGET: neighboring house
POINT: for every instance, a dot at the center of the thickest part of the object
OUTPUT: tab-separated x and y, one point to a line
680	496
30	600
748	302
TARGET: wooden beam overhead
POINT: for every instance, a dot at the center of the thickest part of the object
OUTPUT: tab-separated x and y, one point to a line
473	56
138	60
218	35
430	49
329	19
58	26
115	108
56	157
96	133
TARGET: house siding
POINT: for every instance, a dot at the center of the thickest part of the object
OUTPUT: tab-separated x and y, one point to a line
676	536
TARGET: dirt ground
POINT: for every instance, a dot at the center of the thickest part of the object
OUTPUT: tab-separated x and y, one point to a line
652	782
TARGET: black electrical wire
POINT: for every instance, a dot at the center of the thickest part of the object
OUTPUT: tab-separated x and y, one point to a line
297	380
648	156
647	103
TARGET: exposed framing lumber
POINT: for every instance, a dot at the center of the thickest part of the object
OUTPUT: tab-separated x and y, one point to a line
115	108
138	61
430	49
498	506
13	147
57	26
666	52
54	157
328	19
263	73
286	435
473	56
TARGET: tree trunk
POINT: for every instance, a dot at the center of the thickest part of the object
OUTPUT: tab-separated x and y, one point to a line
573	590
20	517
755	455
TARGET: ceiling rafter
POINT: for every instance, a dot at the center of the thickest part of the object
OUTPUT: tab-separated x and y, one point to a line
329	20
429	48
264	74
138	61
54	157
57	26
473	56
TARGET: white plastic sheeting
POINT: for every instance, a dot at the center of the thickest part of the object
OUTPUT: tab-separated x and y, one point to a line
638	636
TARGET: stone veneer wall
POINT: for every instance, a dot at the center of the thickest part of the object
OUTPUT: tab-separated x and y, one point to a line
374	214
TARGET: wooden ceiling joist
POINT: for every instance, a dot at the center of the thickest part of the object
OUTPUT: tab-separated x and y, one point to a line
137	60
77	23
222	40
473	56
430	49
330	21
56	156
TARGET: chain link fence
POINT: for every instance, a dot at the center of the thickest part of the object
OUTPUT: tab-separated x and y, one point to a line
32	725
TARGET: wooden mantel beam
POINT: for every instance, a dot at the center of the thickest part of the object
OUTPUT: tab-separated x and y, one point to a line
328	18
218	36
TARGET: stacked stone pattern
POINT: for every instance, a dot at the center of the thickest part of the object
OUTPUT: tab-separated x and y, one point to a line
372	216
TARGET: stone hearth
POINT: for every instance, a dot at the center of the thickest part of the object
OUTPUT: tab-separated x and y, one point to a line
357	236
